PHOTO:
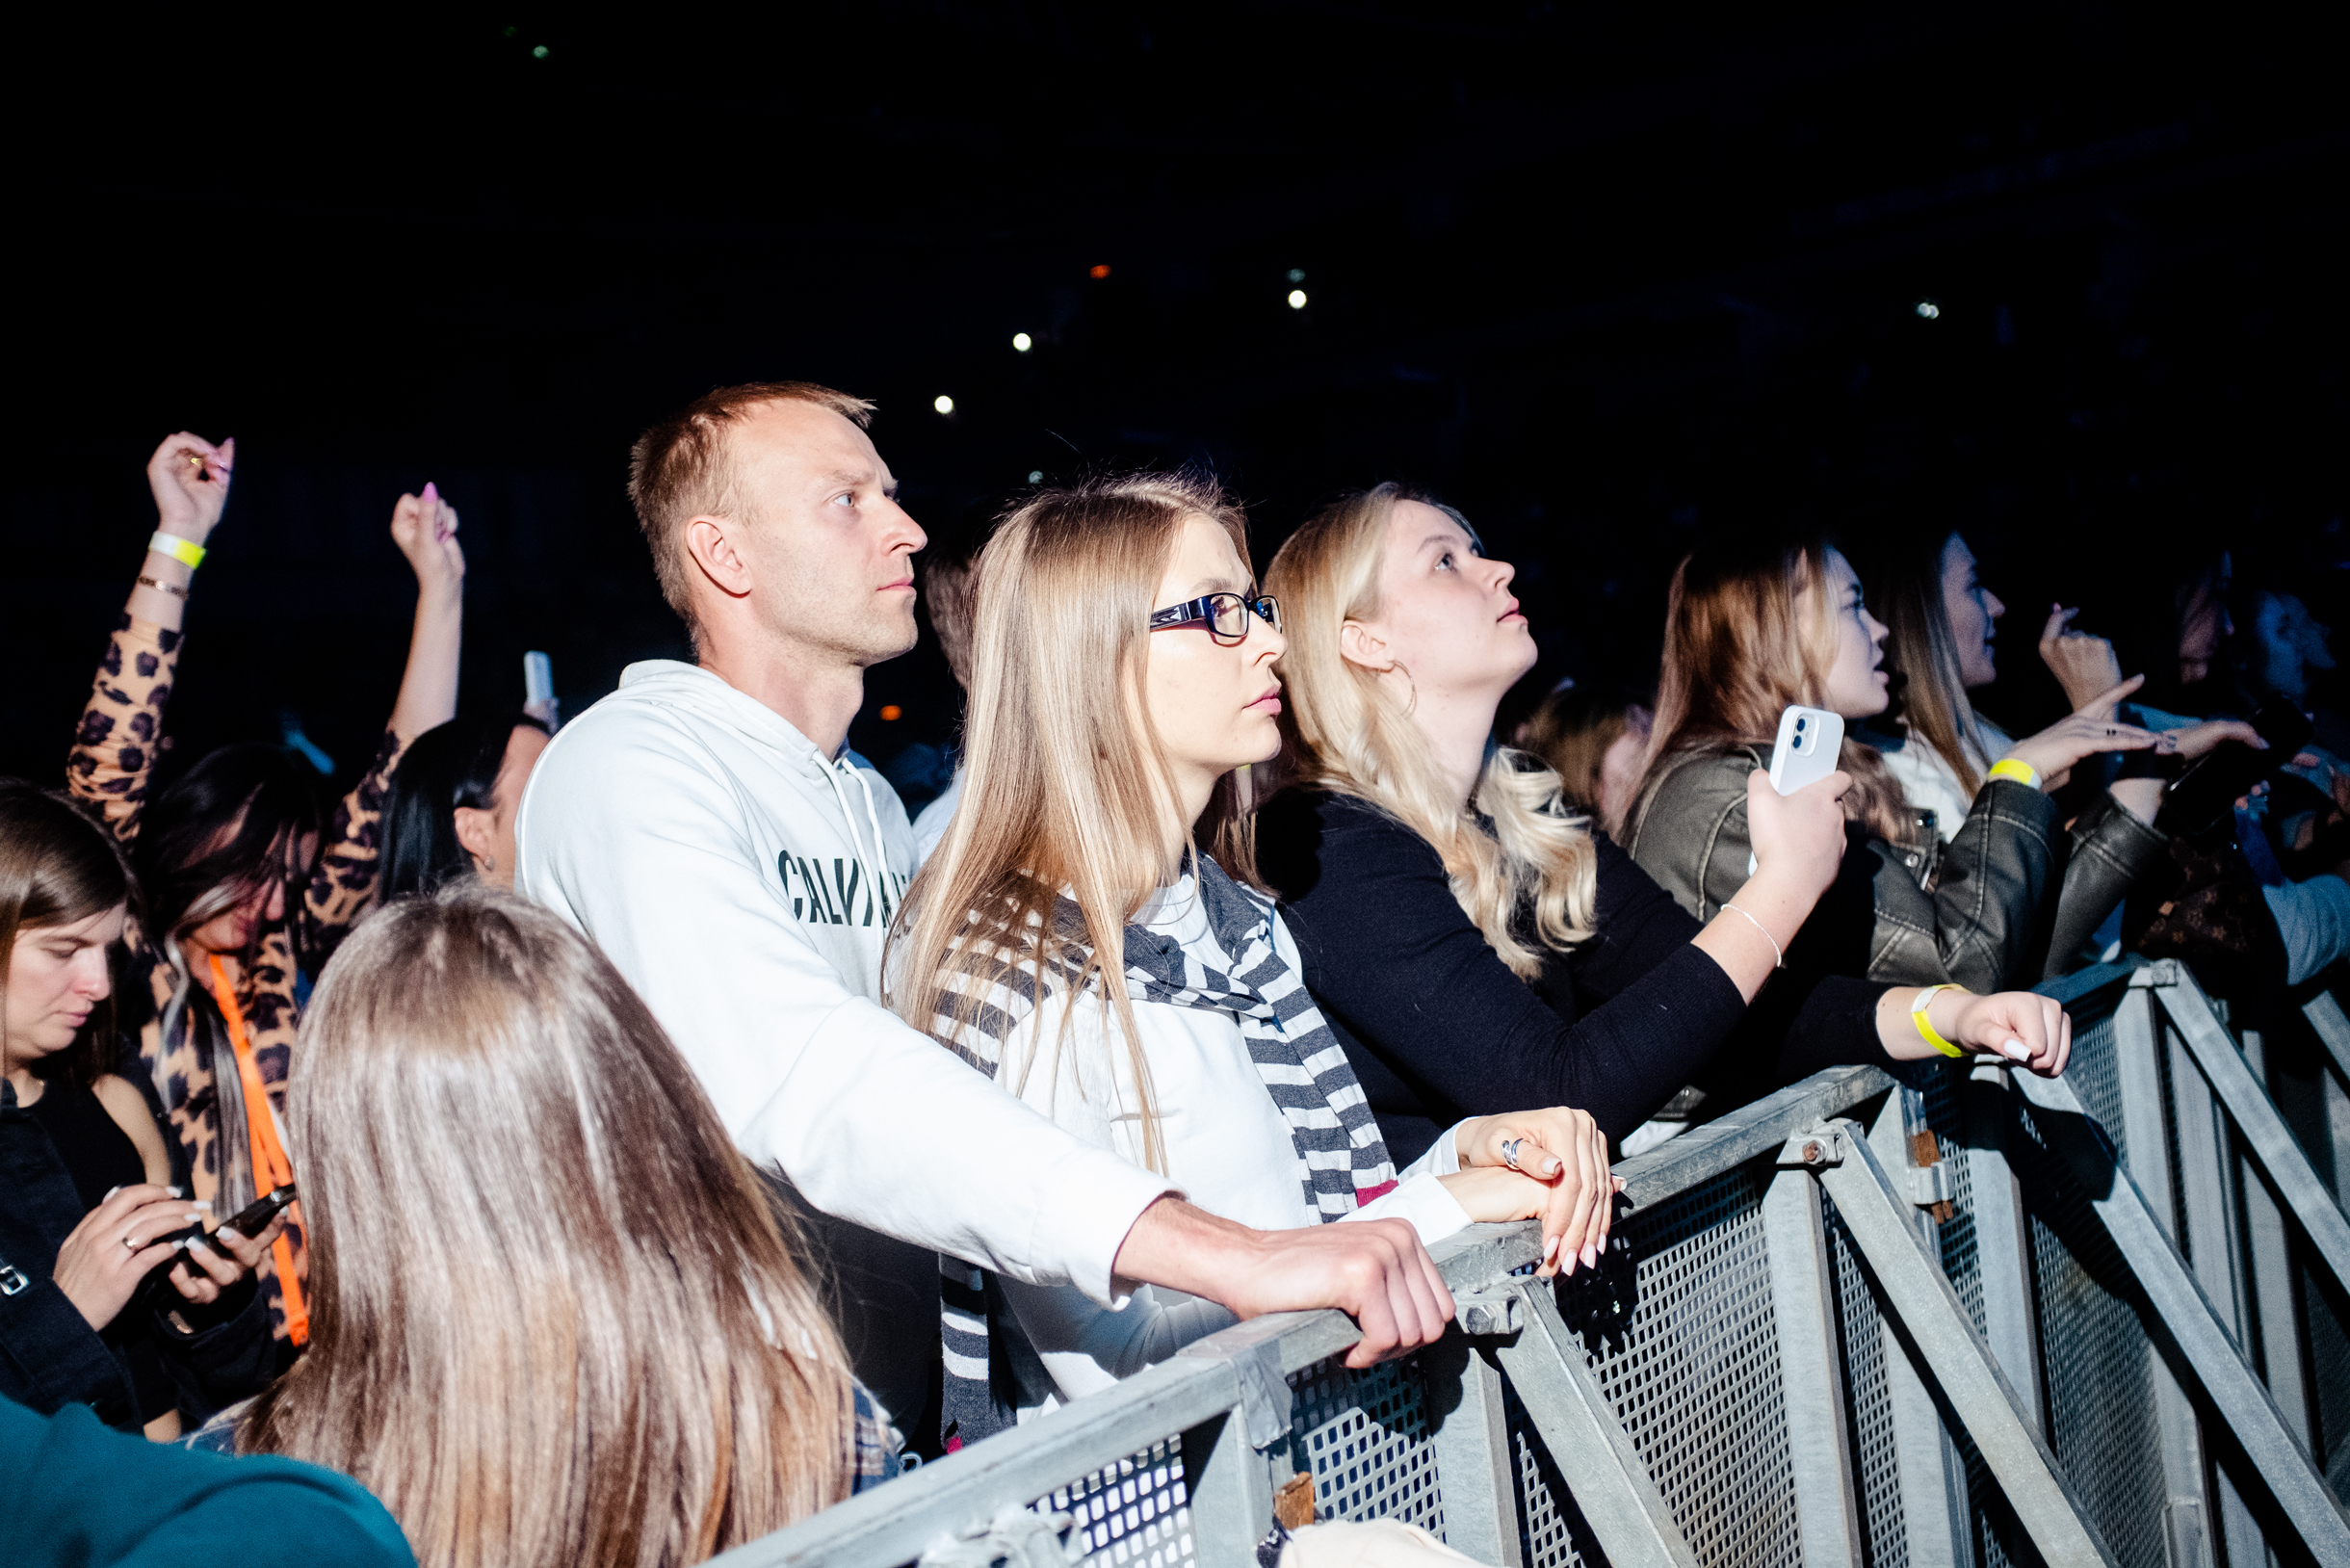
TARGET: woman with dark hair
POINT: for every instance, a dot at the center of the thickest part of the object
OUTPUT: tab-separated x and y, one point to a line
451	806
246	889
1755	624
91	1199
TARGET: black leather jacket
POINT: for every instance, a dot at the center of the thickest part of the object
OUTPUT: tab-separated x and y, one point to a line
2009	898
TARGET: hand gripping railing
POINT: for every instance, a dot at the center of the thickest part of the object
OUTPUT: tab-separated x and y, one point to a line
1943	1319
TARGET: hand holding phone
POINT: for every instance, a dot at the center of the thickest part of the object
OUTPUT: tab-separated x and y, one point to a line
1811	741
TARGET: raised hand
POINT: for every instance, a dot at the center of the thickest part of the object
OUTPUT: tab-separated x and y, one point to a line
425	527
188	477
2083	663
2053	752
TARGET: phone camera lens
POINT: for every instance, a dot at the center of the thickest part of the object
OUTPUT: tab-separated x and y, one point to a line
1799	726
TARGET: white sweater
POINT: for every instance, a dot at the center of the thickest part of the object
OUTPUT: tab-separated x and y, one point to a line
729	871
1226	1145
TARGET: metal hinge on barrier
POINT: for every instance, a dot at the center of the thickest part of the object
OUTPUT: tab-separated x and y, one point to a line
1815	1150
1495	1309
1931	1186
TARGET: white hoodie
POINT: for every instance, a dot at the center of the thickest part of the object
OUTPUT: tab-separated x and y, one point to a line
729	871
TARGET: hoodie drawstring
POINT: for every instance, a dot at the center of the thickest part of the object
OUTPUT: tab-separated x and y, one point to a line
872	883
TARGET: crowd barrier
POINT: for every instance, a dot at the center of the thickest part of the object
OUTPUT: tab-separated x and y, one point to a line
1961	1316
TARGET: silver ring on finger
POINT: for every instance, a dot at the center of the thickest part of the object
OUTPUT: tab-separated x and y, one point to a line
1509	1151
130	1243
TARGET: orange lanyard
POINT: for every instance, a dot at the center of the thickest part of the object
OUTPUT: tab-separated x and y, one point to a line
270	1164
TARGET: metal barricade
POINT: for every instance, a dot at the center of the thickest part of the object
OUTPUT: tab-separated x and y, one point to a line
1960	1316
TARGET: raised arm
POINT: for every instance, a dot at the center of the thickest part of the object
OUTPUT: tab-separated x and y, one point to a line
115	744
425	528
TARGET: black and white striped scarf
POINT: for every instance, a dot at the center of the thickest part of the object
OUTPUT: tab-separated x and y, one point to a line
1341	1159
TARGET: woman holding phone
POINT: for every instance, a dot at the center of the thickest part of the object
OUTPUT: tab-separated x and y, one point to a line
1473	943
91	1201
1755	624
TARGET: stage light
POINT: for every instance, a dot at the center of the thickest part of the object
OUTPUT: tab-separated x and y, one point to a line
944	404
1035	476
1022	342
1298	275
891	712
539	53
1297	298
1928	309
1099	270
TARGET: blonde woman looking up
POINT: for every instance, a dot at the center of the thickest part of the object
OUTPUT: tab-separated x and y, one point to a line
554	1321
1474	943
1085	935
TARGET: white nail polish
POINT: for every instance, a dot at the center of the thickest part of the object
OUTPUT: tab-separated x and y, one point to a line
1591	1257
2017	1050
1550	1248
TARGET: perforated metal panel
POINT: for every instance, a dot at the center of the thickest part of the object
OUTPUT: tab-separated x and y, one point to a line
1869	1407
2096	1361
1133	1514
1364	1435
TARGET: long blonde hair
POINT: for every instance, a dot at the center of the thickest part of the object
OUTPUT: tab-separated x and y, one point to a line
1905	593
1067	784
1348	731
1738	650
554	1319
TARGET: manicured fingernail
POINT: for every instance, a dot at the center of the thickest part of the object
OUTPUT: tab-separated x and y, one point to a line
200	1202
1554	1167
431	493
1566	1263
2017	1050
1591	1257
1550	1248
110	1192
175	1191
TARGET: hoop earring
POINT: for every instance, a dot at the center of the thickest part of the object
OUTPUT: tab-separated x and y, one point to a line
1411	703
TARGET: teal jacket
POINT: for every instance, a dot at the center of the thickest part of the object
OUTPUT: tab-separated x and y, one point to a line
72	1491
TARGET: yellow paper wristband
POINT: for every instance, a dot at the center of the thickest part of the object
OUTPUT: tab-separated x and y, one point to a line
1925	1030
186	552
2023	772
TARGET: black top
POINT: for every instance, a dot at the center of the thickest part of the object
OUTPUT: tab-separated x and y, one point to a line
99	1156
1438	1028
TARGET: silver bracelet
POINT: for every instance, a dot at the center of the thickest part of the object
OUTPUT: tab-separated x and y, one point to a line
1766	937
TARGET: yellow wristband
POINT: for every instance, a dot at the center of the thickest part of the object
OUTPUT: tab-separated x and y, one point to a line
186	552
1925	1030
2023	772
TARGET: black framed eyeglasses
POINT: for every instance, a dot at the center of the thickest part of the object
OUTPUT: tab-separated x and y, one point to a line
1224	614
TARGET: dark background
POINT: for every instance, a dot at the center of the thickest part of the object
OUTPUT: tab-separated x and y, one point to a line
1602	280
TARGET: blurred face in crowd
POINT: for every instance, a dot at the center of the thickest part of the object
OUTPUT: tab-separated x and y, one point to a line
1857	687
232	932
830	550
488	836
1975	612
1215	705
1447	621
2203	624
55	975
1620	764
2292	642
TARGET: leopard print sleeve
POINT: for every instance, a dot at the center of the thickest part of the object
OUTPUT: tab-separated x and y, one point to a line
345	880
116	744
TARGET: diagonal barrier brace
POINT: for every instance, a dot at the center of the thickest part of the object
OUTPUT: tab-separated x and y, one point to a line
1943	1341
2255	1115
1620	1501
2182	1315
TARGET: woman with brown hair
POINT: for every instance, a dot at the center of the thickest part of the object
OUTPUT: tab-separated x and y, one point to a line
1473	941
553	1319
1756	623
91	1199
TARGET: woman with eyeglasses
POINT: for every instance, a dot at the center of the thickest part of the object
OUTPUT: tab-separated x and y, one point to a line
1472	940
1089	936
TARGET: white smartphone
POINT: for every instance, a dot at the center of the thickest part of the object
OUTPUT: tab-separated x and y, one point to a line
1810	741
